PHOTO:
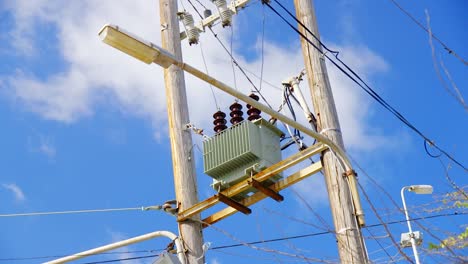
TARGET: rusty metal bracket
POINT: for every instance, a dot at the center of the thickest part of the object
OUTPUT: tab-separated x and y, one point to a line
350	173
230	202
267	191
261	176
258	196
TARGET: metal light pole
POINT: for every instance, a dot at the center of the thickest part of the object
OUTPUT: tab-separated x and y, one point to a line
418	189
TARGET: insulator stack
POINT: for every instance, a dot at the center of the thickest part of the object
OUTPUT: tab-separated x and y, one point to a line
236	113
219	121
253	112
225	14
192	32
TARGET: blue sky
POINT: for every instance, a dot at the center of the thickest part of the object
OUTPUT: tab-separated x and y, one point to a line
85	127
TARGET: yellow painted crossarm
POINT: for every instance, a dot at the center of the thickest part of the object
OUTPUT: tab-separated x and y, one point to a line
256	197
260	177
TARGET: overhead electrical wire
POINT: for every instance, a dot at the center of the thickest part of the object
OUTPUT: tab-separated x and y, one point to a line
420	25
206	69
84	211
231	56
84	255
380	244
260	241
385	225
263	49
121	259
202	4
232	61
357	79
447	247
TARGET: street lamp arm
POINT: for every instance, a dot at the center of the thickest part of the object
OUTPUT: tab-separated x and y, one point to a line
133	240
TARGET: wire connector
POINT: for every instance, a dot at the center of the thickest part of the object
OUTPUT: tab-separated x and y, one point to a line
196	130
168	207
350	173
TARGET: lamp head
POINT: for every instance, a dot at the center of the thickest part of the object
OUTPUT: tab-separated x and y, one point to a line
421	189
134	46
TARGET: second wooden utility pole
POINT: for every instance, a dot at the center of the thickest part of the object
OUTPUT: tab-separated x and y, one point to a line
185	181
350	243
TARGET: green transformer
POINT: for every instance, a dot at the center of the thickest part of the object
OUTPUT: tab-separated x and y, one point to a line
238	152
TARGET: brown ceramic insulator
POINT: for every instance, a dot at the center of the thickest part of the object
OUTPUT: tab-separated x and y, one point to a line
219	121
253	112
236	113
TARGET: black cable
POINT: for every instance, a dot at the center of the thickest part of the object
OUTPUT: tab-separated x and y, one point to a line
202	4
250	243
232	57
329	232
449	50
121	259
380	245
84	255
427	151
287	94
361	83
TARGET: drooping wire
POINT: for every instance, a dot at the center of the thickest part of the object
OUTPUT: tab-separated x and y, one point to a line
206	69
122	259
429	153
378	243
295	136
232	61
231	57
255	242
357	79
83	255
182	4
263	49
202	4
384	224
420	25
381	188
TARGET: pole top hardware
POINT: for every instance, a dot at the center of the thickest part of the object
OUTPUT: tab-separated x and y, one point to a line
349	173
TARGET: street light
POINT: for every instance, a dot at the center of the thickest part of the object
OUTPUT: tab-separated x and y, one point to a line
149	52
165	257
134	46
418	189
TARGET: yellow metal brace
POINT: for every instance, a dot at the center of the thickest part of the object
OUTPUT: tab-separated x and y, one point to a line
260	177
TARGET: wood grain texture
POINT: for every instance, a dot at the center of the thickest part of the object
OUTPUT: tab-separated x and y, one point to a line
181	140
349	239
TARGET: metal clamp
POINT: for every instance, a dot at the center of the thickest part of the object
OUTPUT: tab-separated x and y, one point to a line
350	173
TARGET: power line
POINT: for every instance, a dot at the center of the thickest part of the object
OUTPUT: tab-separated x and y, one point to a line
357	79
231	56
250	243
143	208
206	69
85	255
420	25
121	259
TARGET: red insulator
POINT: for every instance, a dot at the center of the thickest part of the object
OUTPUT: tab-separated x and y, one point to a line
236	113
253	112
219	121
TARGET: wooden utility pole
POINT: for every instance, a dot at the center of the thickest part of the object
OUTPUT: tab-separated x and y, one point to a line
350	243
185	181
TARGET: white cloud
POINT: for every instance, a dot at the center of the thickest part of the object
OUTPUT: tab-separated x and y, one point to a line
352	104
16	190
97	73
43	145
47	148
215	261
